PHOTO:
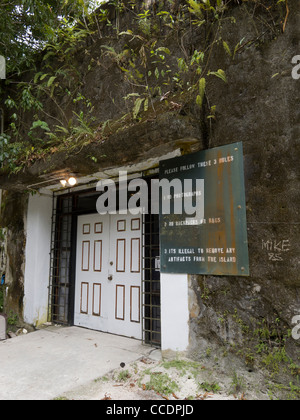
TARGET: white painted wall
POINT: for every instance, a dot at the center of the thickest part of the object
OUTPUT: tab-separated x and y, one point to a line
37	259
175	312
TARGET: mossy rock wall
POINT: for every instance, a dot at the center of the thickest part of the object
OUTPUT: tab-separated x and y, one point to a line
14	212
260	107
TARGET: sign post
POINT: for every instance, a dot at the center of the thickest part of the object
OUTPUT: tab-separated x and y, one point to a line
203	226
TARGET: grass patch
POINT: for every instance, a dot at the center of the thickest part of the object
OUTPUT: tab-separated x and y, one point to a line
123	376
181	365
102	379
185	367
162	384
290	393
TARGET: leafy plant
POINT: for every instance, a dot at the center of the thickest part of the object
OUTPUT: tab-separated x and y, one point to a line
144	22
12	319
200	97
123	376
210	387
202	7
220	74
84	125
26	26
9	152
237	384
42	125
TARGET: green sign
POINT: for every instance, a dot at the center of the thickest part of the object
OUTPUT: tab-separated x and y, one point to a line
203	226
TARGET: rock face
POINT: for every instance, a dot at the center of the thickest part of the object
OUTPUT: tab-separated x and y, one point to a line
258	105
261	110
14	211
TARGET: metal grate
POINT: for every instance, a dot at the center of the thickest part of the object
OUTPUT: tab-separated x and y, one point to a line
60	264
151	282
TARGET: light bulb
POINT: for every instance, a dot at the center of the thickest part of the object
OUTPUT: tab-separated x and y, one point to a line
72	181
63	182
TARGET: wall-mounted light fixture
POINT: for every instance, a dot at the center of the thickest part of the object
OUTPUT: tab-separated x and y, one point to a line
65	182
71	182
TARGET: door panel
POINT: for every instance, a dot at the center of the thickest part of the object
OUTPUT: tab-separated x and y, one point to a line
126	269
108	274
91	292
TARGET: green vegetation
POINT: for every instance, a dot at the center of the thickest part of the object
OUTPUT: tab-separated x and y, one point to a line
237	384
182	365
209	387
12	319
264	347
123	376
161	383
291	392
44	73
26	26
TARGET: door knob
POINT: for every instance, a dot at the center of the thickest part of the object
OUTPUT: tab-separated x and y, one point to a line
110	278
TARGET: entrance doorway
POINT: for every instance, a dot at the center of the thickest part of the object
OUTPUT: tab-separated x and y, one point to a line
73	210
109	274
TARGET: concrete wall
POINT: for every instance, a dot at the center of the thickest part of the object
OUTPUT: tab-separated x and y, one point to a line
37	259
174	312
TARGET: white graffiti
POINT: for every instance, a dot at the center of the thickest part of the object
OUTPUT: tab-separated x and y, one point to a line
276	249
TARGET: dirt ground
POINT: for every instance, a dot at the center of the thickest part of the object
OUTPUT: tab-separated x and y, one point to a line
179	379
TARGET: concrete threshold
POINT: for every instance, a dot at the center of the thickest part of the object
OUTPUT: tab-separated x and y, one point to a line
49	362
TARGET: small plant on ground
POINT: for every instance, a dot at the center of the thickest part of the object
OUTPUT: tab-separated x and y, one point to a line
12	319
210	387
123	376
237	384
162	384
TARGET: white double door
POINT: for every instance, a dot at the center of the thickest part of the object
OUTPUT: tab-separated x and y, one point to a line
108	294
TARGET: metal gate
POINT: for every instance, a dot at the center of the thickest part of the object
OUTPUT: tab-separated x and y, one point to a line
60	261
151	282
